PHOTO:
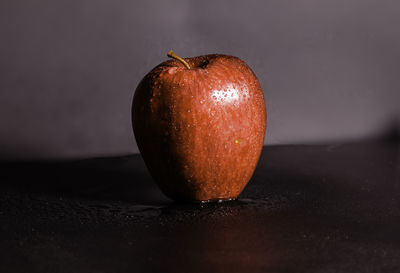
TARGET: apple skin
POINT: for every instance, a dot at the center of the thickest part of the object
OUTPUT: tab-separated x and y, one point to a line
201	130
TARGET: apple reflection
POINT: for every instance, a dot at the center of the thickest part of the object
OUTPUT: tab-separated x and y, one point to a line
212	239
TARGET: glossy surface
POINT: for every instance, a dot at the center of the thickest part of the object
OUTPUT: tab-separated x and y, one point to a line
307	209
200	130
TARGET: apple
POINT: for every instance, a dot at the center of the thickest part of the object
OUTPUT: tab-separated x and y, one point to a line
199	124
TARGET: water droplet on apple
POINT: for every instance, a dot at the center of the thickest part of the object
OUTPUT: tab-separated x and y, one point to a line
172	70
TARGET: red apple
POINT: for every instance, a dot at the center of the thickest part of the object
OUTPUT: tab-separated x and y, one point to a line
199	124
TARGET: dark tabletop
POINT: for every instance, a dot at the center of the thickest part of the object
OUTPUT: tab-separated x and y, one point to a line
307	209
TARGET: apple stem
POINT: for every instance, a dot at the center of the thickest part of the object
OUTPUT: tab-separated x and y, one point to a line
171	54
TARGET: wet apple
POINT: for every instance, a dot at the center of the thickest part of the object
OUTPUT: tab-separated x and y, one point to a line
199	124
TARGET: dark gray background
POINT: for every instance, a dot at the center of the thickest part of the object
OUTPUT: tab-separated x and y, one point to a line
329	69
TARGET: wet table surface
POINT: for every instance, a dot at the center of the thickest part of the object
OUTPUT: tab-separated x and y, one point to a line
327	208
